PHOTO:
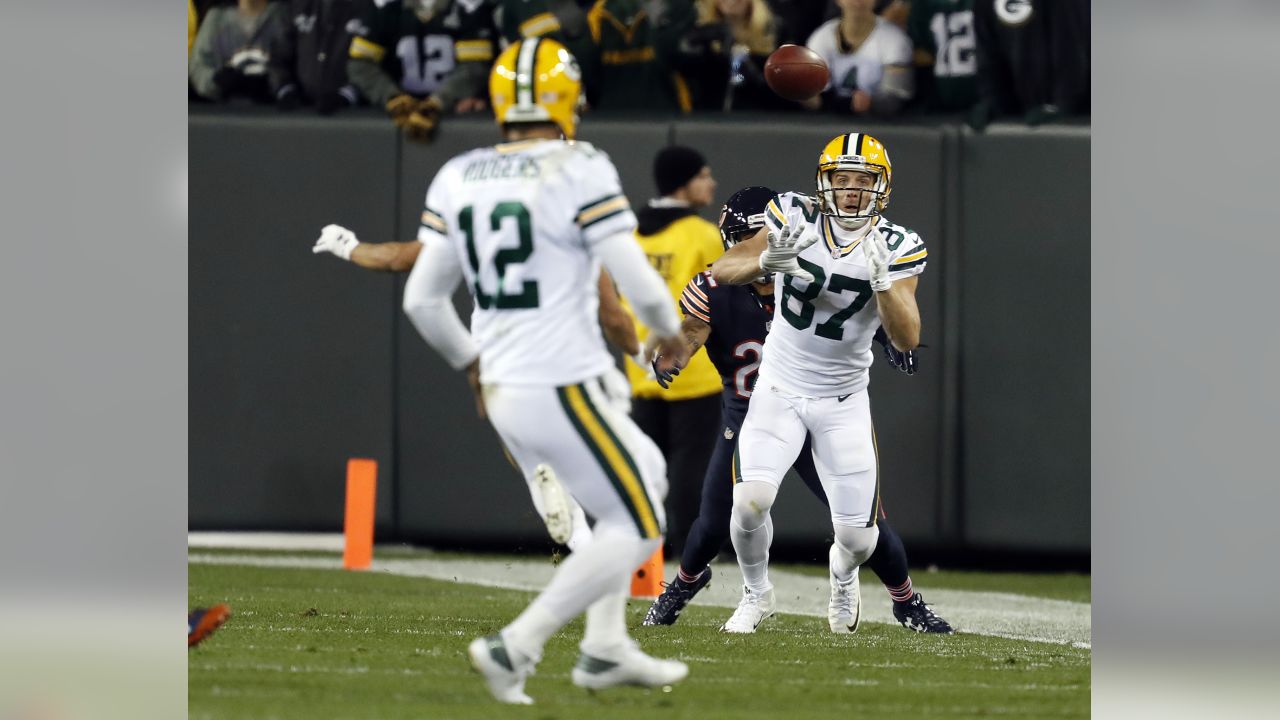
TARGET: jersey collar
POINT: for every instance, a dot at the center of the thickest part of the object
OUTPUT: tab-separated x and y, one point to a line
830	235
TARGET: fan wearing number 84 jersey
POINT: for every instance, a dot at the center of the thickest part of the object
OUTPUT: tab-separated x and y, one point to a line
843	271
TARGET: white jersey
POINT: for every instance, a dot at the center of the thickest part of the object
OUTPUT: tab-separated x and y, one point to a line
521	218
864	68
819	343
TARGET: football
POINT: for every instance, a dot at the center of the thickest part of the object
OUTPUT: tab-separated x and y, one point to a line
796	73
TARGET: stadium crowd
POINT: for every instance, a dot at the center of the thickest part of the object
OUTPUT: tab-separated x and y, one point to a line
424	60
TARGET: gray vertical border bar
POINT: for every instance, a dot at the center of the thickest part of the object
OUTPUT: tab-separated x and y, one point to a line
950	491
397	288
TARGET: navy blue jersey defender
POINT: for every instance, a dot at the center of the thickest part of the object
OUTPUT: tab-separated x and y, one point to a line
739	316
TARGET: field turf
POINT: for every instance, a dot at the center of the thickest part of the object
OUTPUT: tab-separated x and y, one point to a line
320	644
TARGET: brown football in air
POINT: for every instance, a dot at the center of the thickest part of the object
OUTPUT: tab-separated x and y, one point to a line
795	72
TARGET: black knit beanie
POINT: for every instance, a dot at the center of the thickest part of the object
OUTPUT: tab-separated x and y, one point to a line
675	166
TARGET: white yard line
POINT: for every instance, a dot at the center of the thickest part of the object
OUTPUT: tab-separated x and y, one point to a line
1006	615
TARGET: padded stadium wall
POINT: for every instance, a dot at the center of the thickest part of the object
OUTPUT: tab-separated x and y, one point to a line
298	362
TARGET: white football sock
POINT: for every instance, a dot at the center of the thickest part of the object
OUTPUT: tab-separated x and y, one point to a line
853	546
598	568
751	529
752	548
606	627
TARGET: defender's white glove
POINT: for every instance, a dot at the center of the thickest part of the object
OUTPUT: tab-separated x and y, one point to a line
784	246
877	255
337	240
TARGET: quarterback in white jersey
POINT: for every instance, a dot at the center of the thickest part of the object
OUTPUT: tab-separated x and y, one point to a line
558	197
844	272
527	225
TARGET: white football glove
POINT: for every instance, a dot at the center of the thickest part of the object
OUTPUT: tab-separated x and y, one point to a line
784	246
337	240
877	255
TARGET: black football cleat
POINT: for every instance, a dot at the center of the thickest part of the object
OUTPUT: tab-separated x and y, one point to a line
914	614
667	607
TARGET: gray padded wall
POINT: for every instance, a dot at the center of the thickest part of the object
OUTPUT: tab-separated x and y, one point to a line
298	362
1025	338
631	145
290	354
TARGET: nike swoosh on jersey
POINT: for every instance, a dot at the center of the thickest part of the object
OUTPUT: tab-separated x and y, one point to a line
842	398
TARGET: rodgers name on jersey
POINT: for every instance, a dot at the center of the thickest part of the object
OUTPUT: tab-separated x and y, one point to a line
518	216
820	340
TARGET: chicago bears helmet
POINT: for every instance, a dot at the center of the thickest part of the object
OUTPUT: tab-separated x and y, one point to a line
536	80
743	214
862	153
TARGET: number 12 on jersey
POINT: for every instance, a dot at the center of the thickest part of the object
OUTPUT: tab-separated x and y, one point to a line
527	297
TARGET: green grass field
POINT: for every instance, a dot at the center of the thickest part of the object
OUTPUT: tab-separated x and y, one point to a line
320	644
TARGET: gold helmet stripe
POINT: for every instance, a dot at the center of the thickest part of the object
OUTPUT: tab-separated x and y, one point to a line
844	149
862	137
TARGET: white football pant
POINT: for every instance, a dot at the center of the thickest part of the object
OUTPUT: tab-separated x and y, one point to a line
843	442
618	476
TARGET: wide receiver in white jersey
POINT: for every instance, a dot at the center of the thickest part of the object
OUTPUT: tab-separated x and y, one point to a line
526	225
846	270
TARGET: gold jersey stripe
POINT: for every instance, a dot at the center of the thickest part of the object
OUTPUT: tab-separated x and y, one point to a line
684	96
539	24
473	50
772	207
911	258
599	210
434	221
365	50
